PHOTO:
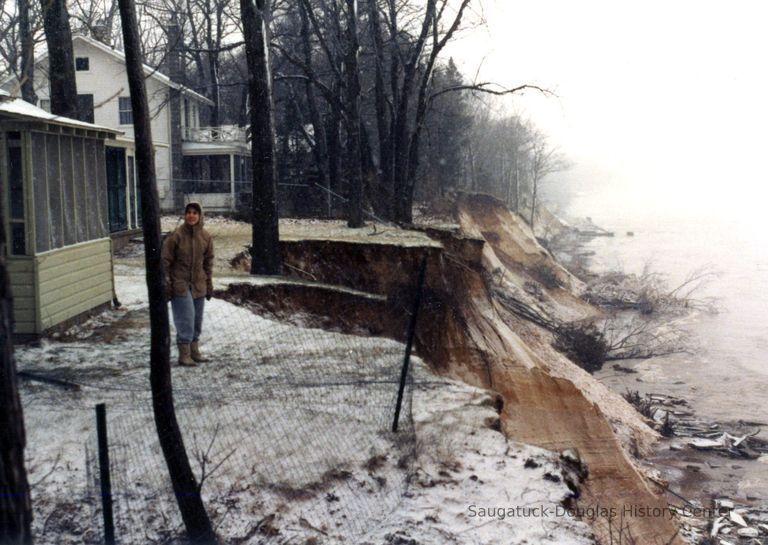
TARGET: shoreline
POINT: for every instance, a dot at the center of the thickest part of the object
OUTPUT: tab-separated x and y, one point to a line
704	461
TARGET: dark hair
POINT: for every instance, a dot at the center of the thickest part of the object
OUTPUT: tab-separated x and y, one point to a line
195	206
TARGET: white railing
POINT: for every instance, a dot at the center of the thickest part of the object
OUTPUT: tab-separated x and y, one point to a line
225	133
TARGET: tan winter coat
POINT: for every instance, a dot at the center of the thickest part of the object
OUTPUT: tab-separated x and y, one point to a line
188	260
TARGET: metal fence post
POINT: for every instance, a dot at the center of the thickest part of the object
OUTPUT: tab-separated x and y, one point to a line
105	480
409	342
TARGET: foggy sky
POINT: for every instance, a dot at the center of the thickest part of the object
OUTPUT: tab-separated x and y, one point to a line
663	104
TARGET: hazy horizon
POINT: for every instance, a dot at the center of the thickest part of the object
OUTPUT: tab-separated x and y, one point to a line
659	105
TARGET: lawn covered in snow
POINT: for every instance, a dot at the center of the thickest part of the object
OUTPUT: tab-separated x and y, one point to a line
290	428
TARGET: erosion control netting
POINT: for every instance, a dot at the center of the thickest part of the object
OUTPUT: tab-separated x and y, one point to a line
290	429
287	427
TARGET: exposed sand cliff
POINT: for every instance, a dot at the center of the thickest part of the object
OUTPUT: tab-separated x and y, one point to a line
466	334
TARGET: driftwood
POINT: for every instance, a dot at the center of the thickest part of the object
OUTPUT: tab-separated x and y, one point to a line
666	416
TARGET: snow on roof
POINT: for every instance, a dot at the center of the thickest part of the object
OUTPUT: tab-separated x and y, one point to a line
148	70
18	108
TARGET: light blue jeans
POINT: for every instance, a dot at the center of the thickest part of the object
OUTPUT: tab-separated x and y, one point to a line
187	317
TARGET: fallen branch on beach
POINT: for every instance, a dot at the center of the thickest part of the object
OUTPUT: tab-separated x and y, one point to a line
648	292
640	337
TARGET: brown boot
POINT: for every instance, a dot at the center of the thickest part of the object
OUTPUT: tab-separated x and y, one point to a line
185	358
196	355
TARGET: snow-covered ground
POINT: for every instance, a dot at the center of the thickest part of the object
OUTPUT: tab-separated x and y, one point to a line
290	425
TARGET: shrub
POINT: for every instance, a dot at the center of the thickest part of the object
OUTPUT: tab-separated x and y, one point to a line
641	403
584	344
546	275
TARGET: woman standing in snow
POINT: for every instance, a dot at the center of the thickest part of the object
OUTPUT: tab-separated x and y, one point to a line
188	267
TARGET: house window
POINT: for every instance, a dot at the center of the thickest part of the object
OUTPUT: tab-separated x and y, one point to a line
85	108
82	64
18	244
45	104
126	112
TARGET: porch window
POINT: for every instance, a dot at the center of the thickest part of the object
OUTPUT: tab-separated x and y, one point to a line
126	111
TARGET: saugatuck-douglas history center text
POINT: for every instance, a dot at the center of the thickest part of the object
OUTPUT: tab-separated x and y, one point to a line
589	512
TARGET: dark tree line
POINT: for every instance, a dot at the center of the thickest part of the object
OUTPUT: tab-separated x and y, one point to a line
364	107
352	94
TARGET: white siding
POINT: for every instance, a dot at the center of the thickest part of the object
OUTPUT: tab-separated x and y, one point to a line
73	280
107	81
22	278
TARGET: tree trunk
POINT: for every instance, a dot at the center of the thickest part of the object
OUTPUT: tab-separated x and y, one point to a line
212	41
534	189
401	136
320	149
517	186
15	507
215	93
394	83
334	150
185	486
354	165
266	257
383	199
61	58
27	54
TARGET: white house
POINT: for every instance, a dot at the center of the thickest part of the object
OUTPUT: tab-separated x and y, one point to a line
204	163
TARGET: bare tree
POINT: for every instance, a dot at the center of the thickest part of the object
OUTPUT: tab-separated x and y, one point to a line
266	257
545	160
96	18
412	59
61	58
185	486
319	144
15	17
354	165
15	508
27	53
209	24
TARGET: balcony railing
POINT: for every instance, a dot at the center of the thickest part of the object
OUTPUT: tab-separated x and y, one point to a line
225	133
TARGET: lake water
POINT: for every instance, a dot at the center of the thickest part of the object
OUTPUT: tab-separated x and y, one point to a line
727	378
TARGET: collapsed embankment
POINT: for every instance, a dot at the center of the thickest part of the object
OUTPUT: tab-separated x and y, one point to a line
465	333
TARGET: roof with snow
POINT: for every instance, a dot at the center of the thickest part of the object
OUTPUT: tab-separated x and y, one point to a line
16	108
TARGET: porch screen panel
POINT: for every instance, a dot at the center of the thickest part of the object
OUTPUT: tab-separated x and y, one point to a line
80	187
99	151
68	191
15	162
40	188
54	190
91	188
